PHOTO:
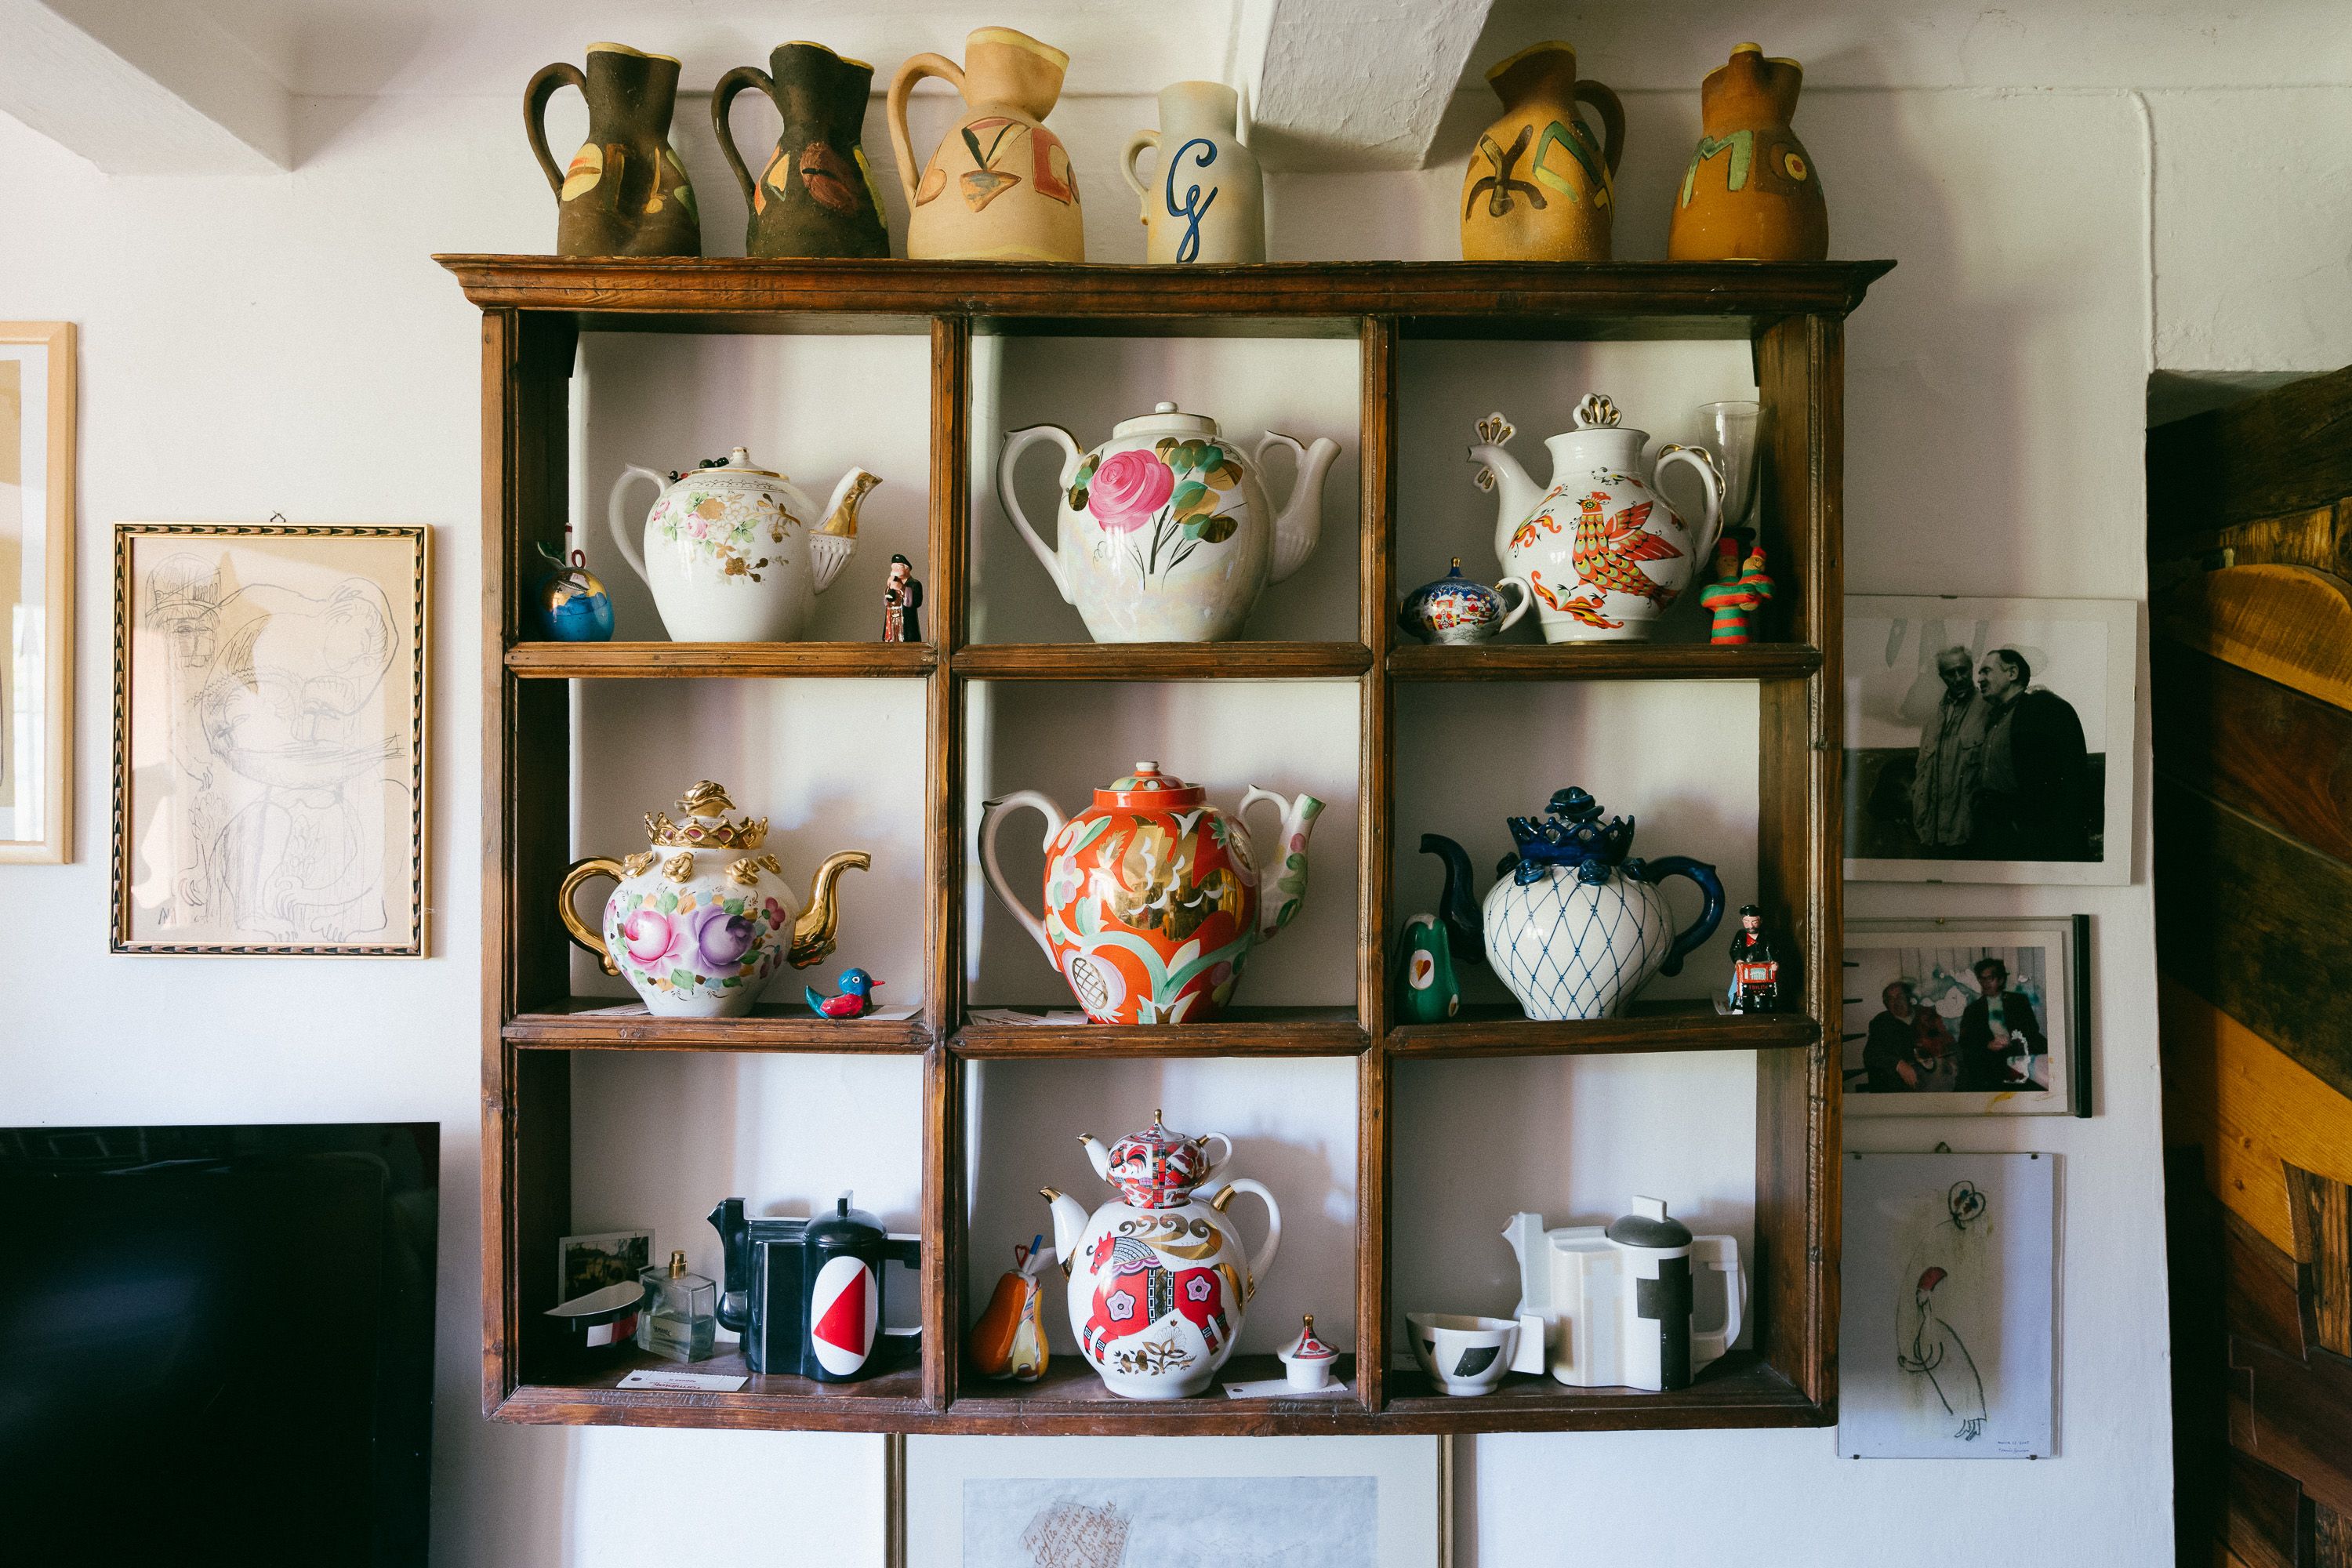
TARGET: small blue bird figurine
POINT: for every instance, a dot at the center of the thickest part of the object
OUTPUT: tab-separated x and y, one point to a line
857	998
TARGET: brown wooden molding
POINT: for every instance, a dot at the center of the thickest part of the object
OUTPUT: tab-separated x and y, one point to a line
2290	624
2254	745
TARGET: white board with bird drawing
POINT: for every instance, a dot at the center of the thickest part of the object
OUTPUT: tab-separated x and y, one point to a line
1946	1333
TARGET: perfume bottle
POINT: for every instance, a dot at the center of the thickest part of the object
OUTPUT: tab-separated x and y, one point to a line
681	1317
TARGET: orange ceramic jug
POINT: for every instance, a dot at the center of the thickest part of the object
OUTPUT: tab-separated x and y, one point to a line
999	187
1538	183
1751	193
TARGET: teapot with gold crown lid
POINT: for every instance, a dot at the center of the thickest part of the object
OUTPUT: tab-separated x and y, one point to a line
700	919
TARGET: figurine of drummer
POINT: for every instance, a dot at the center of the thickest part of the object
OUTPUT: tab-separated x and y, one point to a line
1755	967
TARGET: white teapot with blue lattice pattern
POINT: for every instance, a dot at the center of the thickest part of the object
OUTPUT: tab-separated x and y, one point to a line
1575	925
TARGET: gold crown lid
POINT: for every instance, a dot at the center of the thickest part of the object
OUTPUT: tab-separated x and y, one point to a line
704	826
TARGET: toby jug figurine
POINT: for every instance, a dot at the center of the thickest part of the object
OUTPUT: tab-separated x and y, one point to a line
1611	1306
1165	533
734	552
1604	553
1751	192
1539	186
699	921
1159	1278
1153	896
1574	924
999	187
625	193
815	195
1206	201
807	1294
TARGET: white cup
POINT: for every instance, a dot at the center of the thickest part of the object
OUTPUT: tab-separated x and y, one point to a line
1463	1356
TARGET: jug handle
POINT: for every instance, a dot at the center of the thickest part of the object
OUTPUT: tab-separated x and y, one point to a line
1702	463
581	931
1263	1258
562	73
1015	444
1612	121
916	67
1720	1253
991	818
1526	597
1135	146
1271	917
620	525
1709	885
722	99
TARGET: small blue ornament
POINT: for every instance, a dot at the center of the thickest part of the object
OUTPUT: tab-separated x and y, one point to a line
573	604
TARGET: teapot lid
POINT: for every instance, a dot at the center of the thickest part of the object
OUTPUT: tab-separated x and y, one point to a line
1149	789
1648	1226
1157	1168
1307	1347
1165	419
701	824
737	465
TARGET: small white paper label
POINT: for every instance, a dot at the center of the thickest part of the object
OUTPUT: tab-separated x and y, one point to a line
1279	1388
692	1382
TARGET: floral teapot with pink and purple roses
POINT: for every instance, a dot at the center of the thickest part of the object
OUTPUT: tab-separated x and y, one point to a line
700	919
1159	1281
1166	532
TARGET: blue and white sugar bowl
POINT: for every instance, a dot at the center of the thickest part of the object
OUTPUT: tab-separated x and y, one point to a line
1456	609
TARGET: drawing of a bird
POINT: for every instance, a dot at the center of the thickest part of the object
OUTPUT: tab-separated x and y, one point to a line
1937	1353
857	998
1605	549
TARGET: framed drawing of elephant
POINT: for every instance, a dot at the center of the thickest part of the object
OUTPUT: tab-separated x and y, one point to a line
270	739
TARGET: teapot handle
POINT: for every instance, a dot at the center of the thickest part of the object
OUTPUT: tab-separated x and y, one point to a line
991	818
1219	1161
722	99
562	73
1015	444
581	931
916	67
1287	880
1720	1253
1709	885
1526	597
1702	462
613	514
1263	1258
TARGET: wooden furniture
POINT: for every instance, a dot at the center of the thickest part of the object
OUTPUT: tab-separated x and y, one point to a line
534	307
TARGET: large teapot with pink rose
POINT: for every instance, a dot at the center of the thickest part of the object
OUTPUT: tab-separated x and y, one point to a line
1166	532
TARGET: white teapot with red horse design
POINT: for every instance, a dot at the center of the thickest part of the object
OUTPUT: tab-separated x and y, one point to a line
1159	1282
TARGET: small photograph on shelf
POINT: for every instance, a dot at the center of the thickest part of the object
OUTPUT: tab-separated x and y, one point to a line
270	739
1989	739
1947	1018
1311	1502
591	1263
1946	1333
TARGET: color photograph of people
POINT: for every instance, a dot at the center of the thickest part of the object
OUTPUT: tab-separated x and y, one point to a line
1975	740
1938	1020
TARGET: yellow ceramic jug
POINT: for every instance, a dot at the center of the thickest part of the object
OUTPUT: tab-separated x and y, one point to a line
1750	194
999	187
1537	187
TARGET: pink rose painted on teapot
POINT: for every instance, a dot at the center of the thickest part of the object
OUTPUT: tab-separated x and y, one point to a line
1128	487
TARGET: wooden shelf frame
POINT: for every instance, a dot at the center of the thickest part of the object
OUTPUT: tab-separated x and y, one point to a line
533	309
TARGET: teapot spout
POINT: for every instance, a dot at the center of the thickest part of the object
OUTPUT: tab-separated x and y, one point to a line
1286	859
832	545
1098	1154
1458	906
1300	523
734	1240
1069	1223
1516	492
1529	1246
813	931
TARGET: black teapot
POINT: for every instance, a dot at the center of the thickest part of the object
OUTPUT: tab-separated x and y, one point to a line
806	1294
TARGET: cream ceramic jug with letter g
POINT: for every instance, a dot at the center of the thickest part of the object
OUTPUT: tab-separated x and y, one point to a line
1205	201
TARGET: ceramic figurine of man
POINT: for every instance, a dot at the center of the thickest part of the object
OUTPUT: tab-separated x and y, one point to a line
1755	967
902	602
1738	592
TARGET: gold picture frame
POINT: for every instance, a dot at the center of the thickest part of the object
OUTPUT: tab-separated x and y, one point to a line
37	550
270	745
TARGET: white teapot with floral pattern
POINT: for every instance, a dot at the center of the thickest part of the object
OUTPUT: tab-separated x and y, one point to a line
736	554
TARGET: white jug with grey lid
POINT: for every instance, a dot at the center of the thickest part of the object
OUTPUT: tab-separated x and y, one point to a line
1609	1306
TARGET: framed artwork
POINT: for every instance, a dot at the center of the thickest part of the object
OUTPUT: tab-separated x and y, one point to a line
586	1263
1989	739
1947	1332
1953	1017
270	739
1101	1502
37	538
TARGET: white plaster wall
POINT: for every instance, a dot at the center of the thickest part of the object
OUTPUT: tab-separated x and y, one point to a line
284	343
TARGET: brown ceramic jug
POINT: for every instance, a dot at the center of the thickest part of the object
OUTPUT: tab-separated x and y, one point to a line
815	196
1000	187
625	193
1538	183
1750	194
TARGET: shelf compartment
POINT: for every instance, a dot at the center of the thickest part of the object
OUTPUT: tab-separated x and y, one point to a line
1502	1030
1071	1397
1603	661
1740	1390
603	1023
892	1401
1163	661
1241	1031
718	660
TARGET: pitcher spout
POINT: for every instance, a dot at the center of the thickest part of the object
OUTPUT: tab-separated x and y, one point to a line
1300	523
813	931
1529	1244
835	541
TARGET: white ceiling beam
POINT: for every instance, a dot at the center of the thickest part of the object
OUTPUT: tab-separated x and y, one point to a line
1350	84
143	87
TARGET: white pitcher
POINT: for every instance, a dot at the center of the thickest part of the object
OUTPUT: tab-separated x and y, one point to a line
1207	202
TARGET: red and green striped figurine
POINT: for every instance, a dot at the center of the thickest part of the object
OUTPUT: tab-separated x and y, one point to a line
1736	593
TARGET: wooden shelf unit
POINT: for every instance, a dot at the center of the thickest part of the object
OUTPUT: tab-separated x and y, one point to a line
533	308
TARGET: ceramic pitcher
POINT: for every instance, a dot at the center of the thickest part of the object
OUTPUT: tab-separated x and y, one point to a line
1206	201
625	193
815	196
1750	194
1538	183
999	187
